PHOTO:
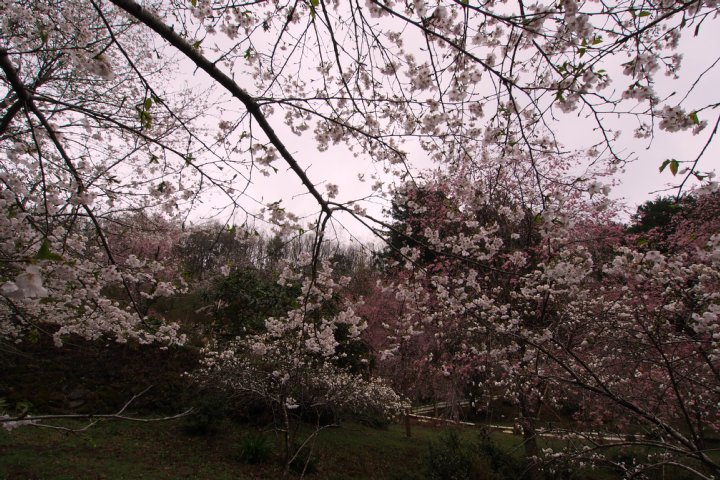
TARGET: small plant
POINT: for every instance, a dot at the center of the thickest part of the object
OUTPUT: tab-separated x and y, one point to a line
305	464
449	459
254	449
501	462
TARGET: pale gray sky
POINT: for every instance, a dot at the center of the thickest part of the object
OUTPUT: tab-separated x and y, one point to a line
639	179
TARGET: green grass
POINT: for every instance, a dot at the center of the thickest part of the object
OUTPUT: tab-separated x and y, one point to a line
125	450
121	450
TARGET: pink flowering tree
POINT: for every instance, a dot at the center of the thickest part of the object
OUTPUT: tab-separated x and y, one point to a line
401	355
146	243
527	307
680	224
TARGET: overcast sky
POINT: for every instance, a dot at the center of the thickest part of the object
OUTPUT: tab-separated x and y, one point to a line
640	180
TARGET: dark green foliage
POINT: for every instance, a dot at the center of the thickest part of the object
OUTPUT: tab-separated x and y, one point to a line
655	222
653	214
254	449
407	226
355	263
658	222
354	355
275	250
247	411
246	298
673	225
449	458
373	421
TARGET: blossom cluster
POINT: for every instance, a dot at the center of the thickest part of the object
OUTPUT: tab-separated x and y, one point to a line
539	308
295	362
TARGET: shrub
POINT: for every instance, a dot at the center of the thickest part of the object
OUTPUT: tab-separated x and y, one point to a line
449	459
501	462
377	422
254	449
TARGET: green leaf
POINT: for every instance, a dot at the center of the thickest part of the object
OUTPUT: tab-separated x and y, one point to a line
313	8
643	13
145	118
597	40
582	51
674	165
148	103
196	44
22	408
664	164
694	117
33	336
45	254
699	176
193	3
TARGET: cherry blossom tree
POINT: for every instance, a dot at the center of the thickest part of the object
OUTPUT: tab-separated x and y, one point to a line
296	365
75	153
536	313
94	123
90	103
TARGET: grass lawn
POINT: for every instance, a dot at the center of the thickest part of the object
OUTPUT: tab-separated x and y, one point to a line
125	450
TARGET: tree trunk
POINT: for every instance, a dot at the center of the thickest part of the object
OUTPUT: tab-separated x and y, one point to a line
288	450
532	451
